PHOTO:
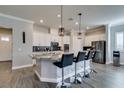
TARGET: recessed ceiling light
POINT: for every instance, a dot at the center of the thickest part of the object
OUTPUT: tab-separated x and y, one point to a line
76	23
41	21
58	15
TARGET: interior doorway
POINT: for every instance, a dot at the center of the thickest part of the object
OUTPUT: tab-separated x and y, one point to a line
6	47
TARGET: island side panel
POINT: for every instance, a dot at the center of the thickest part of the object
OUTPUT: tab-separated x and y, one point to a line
38	68
48	71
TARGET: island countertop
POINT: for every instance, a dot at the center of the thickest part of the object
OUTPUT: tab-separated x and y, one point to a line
52	55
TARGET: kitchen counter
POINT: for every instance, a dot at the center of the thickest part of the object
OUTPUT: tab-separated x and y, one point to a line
47	72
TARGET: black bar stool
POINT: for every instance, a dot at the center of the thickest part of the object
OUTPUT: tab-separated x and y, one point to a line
87	57
93	53
80	57
90	55
67	60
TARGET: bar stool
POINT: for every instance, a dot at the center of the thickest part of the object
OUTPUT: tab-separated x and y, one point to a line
80	57
93	53
67	60
87	57
90	55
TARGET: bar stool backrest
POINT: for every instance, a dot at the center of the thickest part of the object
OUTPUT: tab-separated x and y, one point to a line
87	56
67	59
80	56
93	54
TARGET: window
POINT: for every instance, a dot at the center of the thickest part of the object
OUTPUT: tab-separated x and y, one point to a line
119	40
4	38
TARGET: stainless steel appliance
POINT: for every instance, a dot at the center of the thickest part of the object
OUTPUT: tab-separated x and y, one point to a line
100	48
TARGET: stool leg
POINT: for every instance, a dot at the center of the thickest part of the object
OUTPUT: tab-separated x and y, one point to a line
85	76
62	76
84	66
63	86
76	81
92	70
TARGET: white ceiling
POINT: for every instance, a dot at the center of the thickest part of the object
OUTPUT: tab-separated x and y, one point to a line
92	15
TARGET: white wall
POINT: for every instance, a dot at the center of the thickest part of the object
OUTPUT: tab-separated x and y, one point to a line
21	51
5	46
94	35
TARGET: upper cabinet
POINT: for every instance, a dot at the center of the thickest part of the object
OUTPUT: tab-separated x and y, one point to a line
66	39
40	38
36	38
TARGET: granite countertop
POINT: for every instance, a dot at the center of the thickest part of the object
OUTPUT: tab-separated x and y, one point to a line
53	56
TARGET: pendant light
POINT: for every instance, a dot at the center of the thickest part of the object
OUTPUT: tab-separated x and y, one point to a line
61	29
79	33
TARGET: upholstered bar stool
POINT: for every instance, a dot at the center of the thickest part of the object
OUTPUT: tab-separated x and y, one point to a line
87	57
90	55
80	57
67	60
93	53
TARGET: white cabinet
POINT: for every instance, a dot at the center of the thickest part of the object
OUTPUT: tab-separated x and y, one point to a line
44	39
66	40
41	39
54	38
36	38
47	39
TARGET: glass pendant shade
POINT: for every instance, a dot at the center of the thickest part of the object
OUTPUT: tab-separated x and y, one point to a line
61	29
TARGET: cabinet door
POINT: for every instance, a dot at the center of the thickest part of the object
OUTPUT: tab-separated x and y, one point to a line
36	39
66	39
48	38
45	40
42	38
54	38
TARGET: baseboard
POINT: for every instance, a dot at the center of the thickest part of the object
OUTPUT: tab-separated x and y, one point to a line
121	63
109	62
6	61
20	67
38	75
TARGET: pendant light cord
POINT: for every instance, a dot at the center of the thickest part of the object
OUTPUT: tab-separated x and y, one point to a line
61	17
80	22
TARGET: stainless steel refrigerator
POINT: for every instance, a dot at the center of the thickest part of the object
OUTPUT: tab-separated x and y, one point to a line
100	48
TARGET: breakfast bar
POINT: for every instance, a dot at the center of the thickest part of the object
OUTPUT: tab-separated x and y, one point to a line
47	72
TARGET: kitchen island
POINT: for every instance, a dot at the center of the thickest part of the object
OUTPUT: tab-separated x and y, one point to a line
48	72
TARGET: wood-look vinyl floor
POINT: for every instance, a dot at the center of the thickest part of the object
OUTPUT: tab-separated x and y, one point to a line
108	76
